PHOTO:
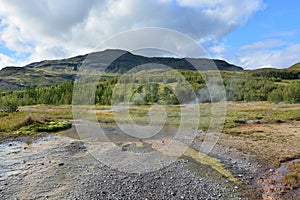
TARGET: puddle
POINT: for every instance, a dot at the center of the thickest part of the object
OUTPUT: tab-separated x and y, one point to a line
273	185
283	167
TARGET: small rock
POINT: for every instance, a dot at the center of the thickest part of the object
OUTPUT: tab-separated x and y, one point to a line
270	181
61	164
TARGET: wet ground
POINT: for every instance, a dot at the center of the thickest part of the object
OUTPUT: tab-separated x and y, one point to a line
273	185
61	166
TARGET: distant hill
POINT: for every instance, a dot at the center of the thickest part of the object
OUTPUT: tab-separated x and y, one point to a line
295	67
17	78
291	73
50	72
125	61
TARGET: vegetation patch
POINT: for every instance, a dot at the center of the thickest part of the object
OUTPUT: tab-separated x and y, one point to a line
216	164
53	126
43	126
34	120
8	105
242	133
292	178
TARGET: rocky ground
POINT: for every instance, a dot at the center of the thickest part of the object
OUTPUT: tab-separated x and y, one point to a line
273	185
60	167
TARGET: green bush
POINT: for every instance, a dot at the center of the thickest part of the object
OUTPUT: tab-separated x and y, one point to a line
32	127
53	126
8	106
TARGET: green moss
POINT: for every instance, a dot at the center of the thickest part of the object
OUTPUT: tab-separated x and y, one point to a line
233	133
292	179
53	126
198	157
38	126
296	167
241	133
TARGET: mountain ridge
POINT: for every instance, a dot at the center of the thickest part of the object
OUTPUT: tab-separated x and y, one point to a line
51	72
77	60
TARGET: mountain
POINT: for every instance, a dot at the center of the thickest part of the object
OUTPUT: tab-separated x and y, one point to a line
295	67
120	61
50	72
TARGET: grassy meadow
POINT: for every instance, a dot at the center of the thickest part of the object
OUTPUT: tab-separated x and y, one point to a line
270	130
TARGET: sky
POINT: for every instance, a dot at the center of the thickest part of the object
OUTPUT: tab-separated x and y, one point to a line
252	34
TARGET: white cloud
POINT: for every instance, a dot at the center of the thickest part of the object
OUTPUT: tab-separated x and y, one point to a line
8	61
281	58
5	60
267	44
284	34
48	29
215	48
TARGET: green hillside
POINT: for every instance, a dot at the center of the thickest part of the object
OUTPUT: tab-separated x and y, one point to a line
295	67
51	82
53	72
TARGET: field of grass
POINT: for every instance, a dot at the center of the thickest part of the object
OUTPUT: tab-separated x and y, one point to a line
32	120
270	131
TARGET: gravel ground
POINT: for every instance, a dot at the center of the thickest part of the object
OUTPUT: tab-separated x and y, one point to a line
172	182
57	167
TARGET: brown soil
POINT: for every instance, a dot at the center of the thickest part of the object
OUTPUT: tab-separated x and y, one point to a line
271	143
275	146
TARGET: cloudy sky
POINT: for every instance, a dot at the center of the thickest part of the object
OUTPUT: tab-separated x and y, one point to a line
252	34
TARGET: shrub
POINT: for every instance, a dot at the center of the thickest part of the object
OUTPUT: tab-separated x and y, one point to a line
25	122
8	106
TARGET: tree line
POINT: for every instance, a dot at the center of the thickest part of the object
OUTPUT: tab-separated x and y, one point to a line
165	88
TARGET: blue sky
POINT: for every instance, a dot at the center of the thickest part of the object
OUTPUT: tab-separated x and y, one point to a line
271	30
277	20
252	34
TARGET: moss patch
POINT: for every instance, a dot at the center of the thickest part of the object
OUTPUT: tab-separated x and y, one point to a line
43	126
292	178
198	157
